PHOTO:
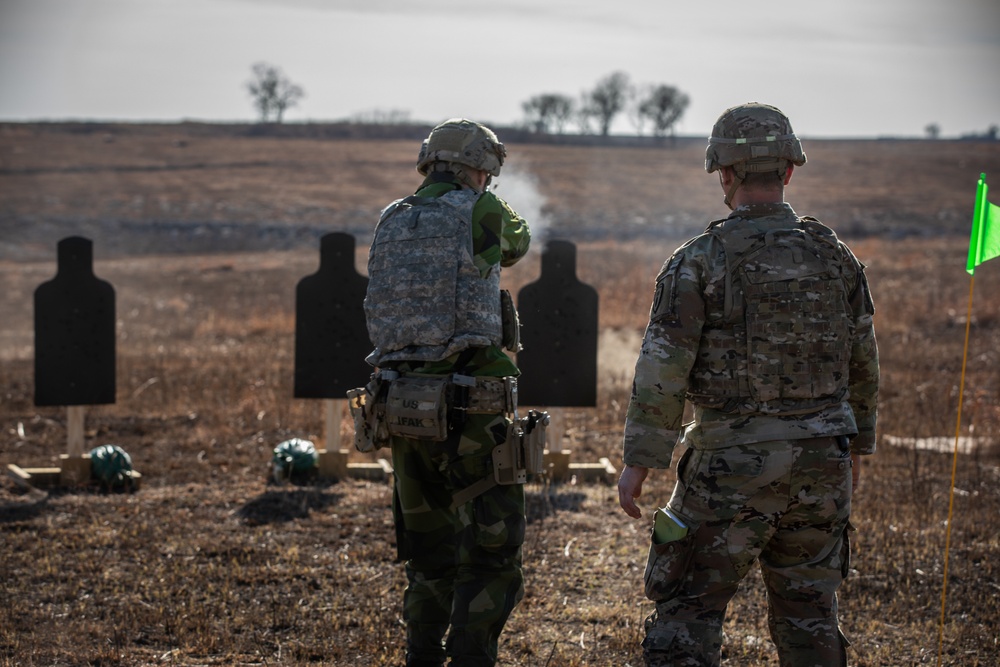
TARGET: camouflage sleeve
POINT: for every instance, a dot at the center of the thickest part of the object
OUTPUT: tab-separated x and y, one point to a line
656	406
499	234
863	380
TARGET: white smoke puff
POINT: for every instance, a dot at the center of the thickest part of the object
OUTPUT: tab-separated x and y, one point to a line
520	190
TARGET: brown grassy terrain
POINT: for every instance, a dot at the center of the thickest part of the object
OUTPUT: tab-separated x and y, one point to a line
208	564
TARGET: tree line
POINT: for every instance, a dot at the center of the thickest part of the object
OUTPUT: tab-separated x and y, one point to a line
653	106
657	107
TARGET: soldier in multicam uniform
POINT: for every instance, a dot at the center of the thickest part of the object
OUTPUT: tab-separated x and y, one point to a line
459	535
764	324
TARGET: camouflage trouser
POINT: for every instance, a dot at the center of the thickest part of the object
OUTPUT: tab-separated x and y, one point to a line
784	503
463	565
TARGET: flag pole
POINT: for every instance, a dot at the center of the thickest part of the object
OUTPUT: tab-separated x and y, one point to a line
954	468
976	240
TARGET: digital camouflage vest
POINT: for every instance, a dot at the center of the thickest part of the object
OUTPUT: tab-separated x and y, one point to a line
784	342
426	299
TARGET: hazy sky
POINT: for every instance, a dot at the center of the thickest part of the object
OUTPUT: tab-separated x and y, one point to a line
836	67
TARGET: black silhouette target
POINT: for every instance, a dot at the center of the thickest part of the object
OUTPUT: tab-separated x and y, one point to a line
331	338
558	315
74	331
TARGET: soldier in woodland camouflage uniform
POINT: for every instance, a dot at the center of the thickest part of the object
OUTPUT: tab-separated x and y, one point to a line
461	544
764	324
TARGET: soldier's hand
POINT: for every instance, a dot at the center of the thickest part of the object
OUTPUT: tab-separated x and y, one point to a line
630	488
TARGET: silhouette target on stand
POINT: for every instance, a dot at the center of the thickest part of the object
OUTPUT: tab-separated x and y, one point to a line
558	316
331	338
74	331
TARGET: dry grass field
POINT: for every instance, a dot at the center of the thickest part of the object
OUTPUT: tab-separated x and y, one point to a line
204	234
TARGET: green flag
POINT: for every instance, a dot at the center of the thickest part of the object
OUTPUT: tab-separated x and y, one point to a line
984	243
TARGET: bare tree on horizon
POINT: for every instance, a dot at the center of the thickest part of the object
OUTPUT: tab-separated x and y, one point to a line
663	105
605	101
272	92
548	112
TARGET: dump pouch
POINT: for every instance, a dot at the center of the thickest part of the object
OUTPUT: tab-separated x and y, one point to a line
417	407
368	411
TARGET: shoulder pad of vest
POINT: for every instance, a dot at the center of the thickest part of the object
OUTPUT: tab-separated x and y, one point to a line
389	210
715	223
819	230
815	224
415	200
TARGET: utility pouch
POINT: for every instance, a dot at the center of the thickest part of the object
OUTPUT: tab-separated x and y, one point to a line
521	453
667	563
368	411
511	337
417	407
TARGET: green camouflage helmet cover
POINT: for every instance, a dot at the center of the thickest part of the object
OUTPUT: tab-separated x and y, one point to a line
465	142
111	465
295	455
753	137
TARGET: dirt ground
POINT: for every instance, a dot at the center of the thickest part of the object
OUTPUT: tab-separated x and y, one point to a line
204	236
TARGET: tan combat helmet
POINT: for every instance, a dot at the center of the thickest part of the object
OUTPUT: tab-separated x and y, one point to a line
752	138
462	142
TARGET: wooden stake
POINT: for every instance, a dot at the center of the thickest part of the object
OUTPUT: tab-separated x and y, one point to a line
556	429
74	430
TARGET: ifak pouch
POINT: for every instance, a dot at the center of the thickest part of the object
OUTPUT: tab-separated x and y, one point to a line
417	407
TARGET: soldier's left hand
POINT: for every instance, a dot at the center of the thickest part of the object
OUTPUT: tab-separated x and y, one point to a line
630	488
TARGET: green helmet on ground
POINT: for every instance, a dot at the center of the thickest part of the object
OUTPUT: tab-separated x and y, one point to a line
293	457
465	142
111	465
753	138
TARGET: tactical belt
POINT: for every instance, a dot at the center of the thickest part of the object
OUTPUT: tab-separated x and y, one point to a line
485	395
474	395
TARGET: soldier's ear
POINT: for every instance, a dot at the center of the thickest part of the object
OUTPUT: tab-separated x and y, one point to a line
788	174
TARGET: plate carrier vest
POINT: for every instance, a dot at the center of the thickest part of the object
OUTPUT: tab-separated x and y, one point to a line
426	299
783	345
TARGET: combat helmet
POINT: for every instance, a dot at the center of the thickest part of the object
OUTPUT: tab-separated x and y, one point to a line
463	142
752	138
112	467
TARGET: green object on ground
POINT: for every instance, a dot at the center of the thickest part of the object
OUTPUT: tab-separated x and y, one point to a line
293	456
111	465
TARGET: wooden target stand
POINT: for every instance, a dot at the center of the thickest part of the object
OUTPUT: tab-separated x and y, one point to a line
75	467
74	358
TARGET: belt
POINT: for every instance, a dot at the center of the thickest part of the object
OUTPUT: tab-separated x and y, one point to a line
472	394
484	395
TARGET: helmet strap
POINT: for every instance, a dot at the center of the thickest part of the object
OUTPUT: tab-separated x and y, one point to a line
463	175
458	170
741	169
731	192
